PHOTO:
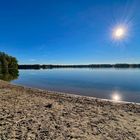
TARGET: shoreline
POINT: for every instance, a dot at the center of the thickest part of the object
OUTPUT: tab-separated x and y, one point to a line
75	95
31	113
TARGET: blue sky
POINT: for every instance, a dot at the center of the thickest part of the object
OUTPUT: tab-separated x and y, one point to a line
69	31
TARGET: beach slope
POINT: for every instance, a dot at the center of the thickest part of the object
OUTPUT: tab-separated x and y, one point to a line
34	114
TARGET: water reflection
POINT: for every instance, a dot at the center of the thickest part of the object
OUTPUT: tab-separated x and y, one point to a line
116	96
9	75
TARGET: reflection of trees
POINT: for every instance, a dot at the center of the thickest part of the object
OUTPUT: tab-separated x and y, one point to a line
10	75
8	67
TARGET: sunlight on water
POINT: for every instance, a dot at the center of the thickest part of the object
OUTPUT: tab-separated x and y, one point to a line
116	96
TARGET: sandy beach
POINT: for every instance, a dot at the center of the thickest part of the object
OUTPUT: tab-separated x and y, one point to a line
33	114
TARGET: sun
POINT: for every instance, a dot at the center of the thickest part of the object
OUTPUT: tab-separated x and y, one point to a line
119	33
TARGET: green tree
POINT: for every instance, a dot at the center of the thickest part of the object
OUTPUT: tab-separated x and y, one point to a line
8	67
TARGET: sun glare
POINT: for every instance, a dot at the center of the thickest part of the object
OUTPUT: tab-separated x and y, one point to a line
116	96
119	33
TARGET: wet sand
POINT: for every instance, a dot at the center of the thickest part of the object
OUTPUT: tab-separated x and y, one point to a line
33	114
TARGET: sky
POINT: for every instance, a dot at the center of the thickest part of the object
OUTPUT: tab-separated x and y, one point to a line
70	31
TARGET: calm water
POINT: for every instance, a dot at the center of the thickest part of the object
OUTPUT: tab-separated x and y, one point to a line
116	84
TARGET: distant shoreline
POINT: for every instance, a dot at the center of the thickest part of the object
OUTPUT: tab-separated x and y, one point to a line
50	66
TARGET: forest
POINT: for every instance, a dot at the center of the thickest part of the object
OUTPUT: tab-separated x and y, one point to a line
38	66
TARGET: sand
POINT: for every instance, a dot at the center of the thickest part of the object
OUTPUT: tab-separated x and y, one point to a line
33	114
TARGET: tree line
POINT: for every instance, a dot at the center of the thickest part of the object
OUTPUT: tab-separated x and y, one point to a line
38	66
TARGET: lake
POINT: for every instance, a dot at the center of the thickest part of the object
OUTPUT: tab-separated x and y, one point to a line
114	84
